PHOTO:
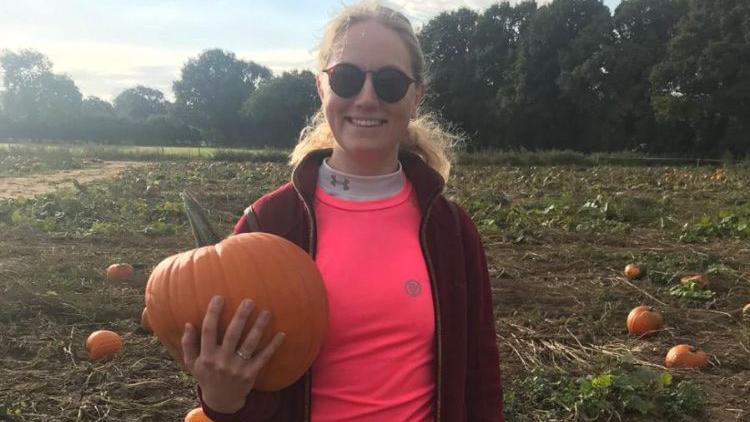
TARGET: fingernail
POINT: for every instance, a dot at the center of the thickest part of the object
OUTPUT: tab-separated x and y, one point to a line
247	304
265	315
217	300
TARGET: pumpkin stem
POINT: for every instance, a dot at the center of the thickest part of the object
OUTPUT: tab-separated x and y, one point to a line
203	232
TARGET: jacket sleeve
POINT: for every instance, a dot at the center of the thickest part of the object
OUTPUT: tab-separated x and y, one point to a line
247	223
259	406
484	391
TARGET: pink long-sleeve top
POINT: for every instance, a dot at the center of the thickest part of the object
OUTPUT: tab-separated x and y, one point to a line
377	359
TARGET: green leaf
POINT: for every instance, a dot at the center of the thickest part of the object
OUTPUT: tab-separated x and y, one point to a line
665	378
602	381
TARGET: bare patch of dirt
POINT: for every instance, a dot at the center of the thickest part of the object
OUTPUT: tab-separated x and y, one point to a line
29	186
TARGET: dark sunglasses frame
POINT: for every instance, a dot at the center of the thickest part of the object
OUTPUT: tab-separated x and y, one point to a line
384	88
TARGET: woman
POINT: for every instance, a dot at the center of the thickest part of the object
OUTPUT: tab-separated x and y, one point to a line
411	333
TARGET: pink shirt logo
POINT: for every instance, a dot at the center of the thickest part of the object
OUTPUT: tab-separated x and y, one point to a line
413	288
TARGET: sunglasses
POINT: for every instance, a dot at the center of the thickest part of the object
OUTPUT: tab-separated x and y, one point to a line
347	80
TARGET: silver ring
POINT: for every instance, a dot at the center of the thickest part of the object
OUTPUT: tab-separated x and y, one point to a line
242	355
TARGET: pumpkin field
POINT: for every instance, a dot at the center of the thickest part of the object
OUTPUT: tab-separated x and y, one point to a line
558	237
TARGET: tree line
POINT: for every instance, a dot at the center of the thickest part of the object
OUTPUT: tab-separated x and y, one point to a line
661	76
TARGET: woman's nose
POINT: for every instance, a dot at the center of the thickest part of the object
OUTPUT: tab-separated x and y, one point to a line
367	94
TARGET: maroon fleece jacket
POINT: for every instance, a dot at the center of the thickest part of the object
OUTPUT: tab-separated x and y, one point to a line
468	380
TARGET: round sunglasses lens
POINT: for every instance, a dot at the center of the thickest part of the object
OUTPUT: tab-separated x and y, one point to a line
391	85
346	80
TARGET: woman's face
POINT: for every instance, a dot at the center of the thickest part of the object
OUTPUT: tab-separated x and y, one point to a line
364	126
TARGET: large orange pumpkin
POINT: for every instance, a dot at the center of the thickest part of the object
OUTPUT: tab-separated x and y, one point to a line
644	321
275	273
197	415
686	356
103	344
120	272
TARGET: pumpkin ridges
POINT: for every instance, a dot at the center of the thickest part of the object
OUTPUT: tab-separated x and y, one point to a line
120	272
644	321
643	315
295	274
258	294
633	271
103	344
686	356
306	310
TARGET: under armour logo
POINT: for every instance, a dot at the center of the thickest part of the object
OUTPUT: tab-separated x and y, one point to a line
413	288
334	182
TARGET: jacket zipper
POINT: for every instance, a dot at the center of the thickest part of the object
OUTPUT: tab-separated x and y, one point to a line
436	300
311	243
433	283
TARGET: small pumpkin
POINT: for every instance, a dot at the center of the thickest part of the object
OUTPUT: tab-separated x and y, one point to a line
144	320
699	279
275	273
633	271
120	272
644	321
103	344
746	311
686	356
197	415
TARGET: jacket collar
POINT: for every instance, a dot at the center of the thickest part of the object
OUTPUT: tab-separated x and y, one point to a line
426	181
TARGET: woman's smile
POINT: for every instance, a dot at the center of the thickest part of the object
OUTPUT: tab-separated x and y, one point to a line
366	123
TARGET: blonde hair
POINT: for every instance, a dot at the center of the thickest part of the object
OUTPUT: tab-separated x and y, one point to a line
425	136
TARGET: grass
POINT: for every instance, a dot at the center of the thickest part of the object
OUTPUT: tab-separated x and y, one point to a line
621	391
24	159
556	238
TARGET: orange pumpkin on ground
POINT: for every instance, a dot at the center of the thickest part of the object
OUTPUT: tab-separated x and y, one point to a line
103	344
197	415
686	356
699	279
633	271
120	272
644	321
273	272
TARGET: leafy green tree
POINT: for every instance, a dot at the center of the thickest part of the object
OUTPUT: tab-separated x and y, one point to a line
280	107
548	98
139	103
642	29
21	69
468	59
456	92
35	95
95	106
704	79
211	91
499	32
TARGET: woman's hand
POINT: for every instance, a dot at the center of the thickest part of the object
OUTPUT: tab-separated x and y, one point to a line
227	372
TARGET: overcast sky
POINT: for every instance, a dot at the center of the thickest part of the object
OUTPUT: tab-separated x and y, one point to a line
107	46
